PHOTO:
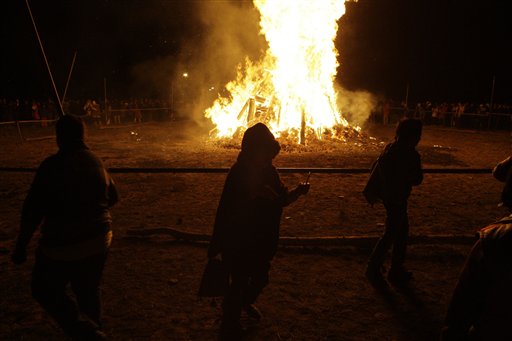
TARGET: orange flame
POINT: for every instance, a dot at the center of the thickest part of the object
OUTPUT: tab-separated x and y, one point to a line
291	87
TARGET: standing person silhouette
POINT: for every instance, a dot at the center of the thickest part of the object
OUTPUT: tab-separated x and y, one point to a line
69	200
480	307
246	230
400	166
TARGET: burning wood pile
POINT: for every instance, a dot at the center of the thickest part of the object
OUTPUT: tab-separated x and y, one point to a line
291	88
260	109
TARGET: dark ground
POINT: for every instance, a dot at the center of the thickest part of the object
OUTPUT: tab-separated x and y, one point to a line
150	284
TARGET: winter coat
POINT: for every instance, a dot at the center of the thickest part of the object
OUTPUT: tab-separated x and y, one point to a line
70	198
482	300
401	169
249	211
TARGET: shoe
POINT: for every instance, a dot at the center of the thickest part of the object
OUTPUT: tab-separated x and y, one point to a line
252	311
374	276
85	330
399	276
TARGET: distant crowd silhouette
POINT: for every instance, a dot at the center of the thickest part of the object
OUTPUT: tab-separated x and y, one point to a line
455	115
71	194
101	112
93	111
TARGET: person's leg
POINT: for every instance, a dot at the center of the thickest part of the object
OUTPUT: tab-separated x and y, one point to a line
376	260
85	282
384	244
258	280
49	281
401	236
397	272
232	303
381	248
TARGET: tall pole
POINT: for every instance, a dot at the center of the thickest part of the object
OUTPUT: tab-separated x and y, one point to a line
407	95
69	77
105	90
491	103
172	97
302	137
106	107
45	59
492	93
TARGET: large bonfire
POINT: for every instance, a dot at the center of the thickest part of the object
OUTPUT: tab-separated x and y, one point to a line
291	89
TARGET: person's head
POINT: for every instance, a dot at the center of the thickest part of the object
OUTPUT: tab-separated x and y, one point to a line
408	131
259	144
70	131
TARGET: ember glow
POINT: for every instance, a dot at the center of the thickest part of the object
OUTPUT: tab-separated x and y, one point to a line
291	88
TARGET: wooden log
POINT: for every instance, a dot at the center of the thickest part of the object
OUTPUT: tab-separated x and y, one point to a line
302	139
252	110
41	138
326	241
242	112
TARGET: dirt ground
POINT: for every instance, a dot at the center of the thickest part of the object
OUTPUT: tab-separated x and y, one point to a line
150	284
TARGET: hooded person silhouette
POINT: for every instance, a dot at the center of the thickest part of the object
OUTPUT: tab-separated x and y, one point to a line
246	229
69	201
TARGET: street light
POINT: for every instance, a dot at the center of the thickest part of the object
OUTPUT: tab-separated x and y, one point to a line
184	75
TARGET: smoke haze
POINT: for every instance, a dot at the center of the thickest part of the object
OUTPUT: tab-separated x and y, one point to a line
217	36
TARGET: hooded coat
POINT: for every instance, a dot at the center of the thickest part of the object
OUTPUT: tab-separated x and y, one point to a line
252	201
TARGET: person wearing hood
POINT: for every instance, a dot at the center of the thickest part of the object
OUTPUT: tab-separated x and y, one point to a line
69	201
246	229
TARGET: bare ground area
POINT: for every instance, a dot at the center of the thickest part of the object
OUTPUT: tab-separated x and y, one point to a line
316	293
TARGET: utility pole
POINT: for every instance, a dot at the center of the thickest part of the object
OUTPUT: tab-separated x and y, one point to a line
45	59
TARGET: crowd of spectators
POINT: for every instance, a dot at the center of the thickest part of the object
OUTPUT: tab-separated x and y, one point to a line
95	112
121	111
461	115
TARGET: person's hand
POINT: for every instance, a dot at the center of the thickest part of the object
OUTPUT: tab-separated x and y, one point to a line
19	256
303	188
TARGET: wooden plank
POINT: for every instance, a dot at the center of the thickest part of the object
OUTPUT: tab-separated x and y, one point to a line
361	240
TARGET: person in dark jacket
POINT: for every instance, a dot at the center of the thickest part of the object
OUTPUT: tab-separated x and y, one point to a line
400	166
503	172
69	201
246	229
480	308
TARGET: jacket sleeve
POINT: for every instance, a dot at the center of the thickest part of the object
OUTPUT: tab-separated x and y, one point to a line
467	298
33	211
503	169
289	196
113	196
416	172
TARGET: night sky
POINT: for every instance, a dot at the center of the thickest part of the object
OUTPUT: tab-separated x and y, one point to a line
444	50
